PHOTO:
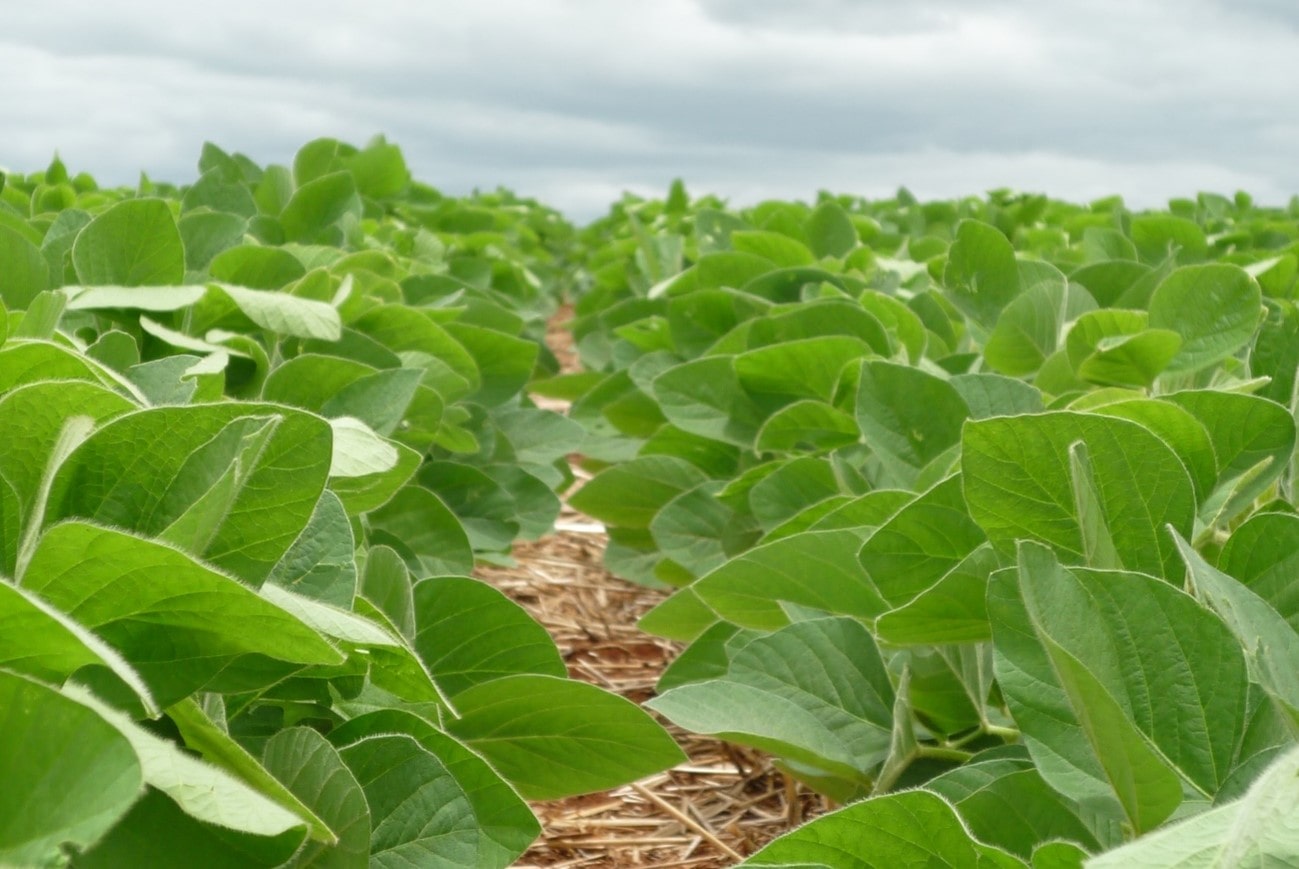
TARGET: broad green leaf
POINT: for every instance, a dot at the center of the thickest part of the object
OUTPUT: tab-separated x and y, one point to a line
994	395
682	617
952	610
318	205
830	230
692	529
1253	438
468	633
908	418
1269	643
1018	484
1215	308
134	243
321	562
815	691
804	368
1029	328
178	622
505	363
1263	553
313	770
553	737
505	826
428	536
157	829
1007	803
386	583
704	397
917	828
981	276
1256	830
419	814
146	470
919	544
631	493
214	745
69	774
806	425
31	418
422	344
816	569
1119	682
40	641
204	792
782	250
1178	428
25	275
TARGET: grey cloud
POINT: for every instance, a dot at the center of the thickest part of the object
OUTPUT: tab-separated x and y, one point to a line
578	98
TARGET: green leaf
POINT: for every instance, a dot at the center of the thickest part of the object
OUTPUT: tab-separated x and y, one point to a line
26	275
1256	830
313	770
69	775
505	826
468	633
260	468
803	368
214	745
1270	644
952	610
1246	431
1007	803
553	737
1120	683
815	691
631	493
1029	329
1019	482
134	243
920	543
321	562
1263	553
428	536
1215	308
816	569
177	621
318	205
704	397
806	425
204	792
908	417
830	230
982	276
157	829
917	828
40	641
782	250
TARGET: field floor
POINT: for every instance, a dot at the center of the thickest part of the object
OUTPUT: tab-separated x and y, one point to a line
722	805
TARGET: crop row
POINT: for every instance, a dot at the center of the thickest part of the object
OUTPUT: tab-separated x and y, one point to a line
979	515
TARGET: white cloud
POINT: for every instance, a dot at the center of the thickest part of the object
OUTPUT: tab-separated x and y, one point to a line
574	100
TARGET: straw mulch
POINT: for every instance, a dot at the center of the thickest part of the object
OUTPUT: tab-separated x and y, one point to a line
721	806
724	803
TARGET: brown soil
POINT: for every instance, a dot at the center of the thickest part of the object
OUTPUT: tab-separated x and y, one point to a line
720	806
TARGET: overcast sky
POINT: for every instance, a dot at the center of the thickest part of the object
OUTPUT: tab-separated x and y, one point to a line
574	101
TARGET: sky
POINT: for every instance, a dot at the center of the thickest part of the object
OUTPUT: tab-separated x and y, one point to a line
576	101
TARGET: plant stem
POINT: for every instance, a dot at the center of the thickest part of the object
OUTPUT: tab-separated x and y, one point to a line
1009	734
940	752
